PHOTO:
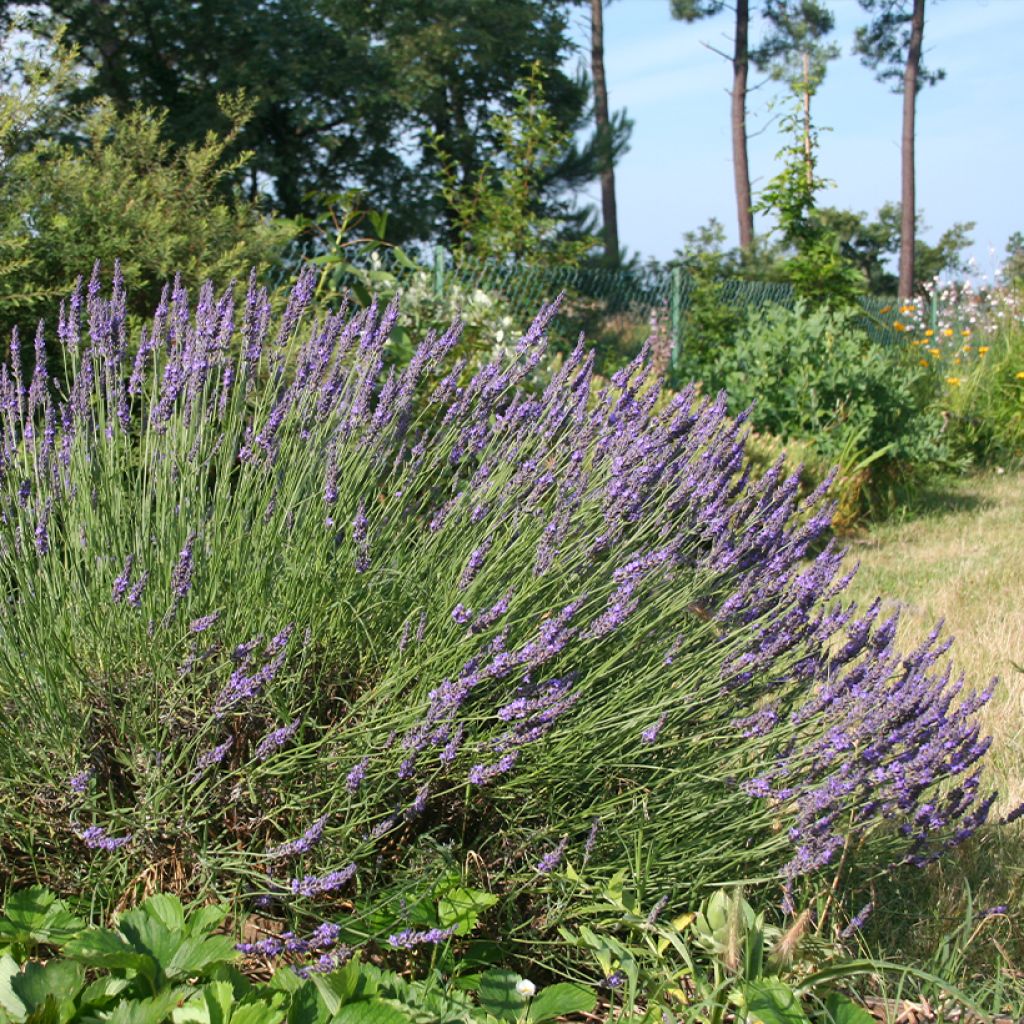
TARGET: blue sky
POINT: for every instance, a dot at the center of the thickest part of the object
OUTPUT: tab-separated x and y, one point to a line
678	172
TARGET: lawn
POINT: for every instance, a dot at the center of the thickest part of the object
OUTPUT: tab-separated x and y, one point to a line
958	558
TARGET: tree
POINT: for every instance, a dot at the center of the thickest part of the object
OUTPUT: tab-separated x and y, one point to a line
891	45
869	244
501	213
609	214
695	10
343	94
121	192
793	52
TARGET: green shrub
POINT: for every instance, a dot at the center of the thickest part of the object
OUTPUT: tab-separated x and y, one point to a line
119	192
282	624
815	377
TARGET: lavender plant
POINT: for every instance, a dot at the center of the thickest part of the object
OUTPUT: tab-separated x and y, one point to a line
277	622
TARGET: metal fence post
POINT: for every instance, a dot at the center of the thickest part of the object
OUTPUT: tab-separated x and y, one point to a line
676	310
438	269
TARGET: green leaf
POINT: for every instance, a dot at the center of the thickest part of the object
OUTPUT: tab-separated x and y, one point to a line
463	907
498	995
148	1011
101	947
841	1009
27	909
306	1006
196	955
61	979
259	1011
370	1011
149	935
340	987
559	1000
102	990
8	998
772	1001
48	1012
166	909
204	920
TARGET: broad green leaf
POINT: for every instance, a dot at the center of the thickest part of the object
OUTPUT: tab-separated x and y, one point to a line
219	1000
27	908
841	1009
772	1001
559	1000
48	1012
204	920
154	1010
195	955
463	907
306	1006
259	1012
166	909
62	979
101	947
498	995
149	935
371	1011
8	998
340	987
102	990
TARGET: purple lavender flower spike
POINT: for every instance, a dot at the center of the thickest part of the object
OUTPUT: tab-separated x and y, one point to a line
205	622
135	594
650	734
355	777
553	857
213	756
275	740
120	587
304	843
181	577
409	938
313	885
79	784
96	838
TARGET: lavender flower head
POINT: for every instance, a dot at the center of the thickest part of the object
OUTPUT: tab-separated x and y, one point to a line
96	838
553	857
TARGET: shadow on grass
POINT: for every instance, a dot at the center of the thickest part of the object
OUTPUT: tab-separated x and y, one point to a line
963	916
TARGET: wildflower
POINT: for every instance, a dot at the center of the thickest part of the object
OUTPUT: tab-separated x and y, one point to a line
885	309
922	362
928	333
304	843
935	351
273	740
966	332
80	783
897	326
982	349
1019	376
907	309
553	857
181	577
355	777
432	936
201	625
953	381
947	332
121	583
650	734
312	885
96	838
214	756
526	988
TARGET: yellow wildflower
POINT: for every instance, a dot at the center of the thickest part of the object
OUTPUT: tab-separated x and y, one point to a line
907	309
885	309
928	333
957	360
1019	376
897	326
966	332
924	362
934	351
953	381
947	332
982	349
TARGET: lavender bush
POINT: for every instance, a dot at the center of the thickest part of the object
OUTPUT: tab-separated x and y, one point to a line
279	623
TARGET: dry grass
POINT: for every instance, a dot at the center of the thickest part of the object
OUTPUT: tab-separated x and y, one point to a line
962	560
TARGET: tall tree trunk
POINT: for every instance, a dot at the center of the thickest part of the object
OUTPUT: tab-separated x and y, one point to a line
741	168
609	215
907	193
